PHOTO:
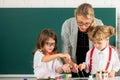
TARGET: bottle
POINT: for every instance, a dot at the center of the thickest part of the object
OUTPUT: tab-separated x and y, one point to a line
90	77
104	75
99	75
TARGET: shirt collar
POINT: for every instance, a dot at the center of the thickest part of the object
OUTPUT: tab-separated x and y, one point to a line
103	51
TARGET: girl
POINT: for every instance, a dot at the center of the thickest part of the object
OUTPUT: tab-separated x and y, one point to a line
47	62
103	56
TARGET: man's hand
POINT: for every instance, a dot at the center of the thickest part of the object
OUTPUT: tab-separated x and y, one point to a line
82	66
66	68
74	67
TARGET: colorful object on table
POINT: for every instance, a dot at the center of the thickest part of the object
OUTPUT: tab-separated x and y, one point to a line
102	75
66	76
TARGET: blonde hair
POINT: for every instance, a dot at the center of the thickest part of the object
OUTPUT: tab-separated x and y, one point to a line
98	33
86	10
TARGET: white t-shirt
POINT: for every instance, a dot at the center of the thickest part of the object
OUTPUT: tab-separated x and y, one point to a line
100	59
45	69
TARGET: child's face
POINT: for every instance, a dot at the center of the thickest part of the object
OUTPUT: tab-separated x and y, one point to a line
100	45
49	45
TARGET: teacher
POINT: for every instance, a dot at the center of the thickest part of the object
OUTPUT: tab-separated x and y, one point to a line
74	37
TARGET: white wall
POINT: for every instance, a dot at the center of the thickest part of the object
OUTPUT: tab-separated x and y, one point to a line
65	3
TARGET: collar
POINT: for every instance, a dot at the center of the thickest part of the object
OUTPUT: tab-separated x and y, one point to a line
103	51
49	53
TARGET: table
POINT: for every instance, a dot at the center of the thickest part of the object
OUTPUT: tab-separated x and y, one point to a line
116	78
32	77
17	77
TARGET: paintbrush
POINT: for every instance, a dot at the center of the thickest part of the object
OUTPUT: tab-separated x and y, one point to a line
82	74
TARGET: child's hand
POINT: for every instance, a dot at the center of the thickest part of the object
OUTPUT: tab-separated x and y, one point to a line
66	68
111	74
82	66
66	58
65	55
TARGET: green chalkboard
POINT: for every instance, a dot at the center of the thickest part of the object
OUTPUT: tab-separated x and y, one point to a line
19	28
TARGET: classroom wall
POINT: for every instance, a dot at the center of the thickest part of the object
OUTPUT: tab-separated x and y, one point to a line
65	3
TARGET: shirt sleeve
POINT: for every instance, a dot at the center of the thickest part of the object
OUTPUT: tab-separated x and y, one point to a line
38	58
116	62
57	63
39	66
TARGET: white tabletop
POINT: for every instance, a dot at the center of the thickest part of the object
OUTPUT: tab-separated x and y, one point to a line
32	77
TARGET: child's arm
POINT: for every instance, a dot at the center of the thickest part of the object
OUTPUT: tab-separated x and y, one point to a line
47	58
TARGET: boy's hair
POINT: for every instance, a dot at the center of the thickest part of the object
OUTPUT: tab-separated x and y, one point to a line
43	37
98	33
86	10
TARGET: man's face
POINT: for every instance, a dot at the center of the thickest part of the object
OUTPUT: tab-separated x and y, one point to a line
83	23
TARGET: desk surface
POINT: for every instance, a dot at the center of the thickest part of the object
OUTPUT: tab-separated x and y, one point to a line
31	77
17	77
116	78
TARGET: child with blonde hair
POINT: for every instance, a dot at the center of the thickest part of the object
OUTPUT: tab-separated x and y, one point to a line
102	56
47	63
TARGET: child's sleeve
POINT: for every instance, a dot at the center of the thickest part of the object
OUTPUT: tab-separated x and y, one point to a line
38	59
39	68
57	63
116	62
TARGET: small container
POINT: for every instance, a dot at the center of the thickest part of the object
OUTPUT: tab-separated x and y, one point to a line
105	75
90	77
99	75
102	75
